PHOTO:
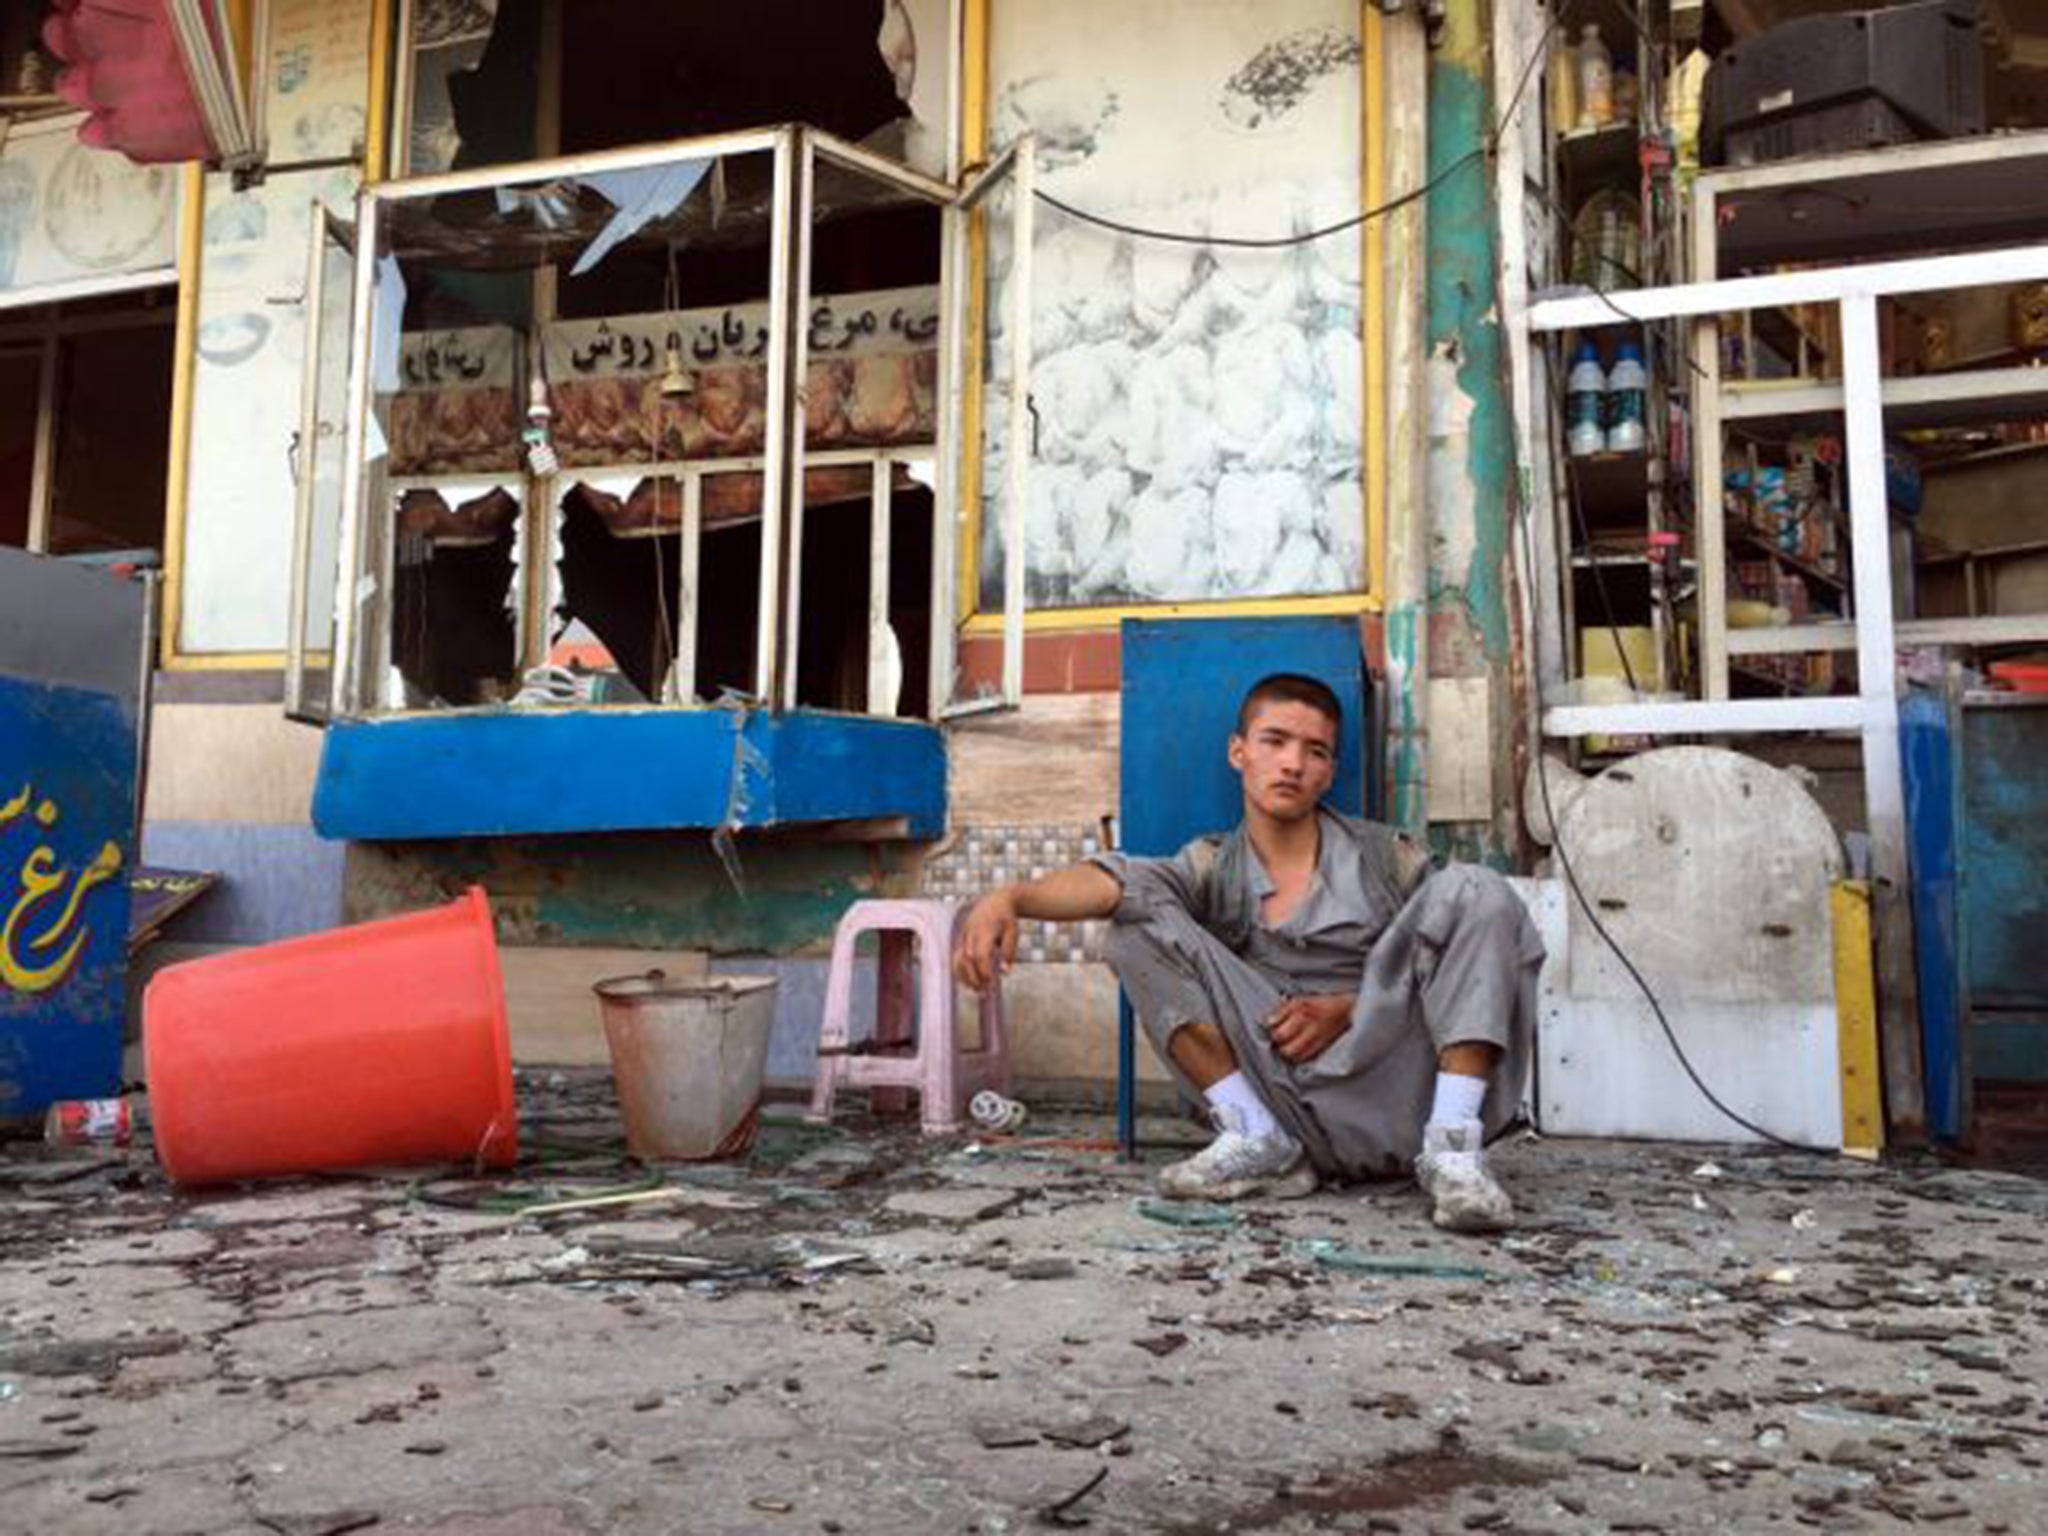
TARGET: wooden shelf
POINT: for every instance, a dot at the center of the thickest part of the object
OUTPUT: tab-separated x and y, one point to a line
1789	639
1987	456
1984	552
1596	157
1782	333
1975	397
1840	634
1586	561
1762	543
1611	484
1981	191
1760	682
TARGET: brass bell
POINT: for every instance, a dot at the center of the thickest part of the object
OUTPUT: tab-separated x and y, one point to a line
675	378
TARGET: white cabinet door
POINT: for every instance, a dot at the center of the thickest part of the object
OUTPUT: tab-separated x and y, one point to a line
988	429
317	460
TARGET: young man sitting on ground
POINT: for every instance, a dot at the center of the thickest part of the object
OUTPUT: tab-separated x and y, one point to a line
1346	1010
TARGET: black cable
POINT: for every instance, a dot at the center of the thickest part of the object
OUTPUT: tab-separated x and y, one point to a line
1278	242
1537	53
1670	1035
1485	151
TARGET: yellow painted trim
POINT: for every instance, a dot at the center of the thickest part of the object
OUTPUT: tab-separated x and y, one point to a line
242	39
227	661
184	357
974	46
1373	404
1856	1019
974	81
377	109
1372	323
1054	620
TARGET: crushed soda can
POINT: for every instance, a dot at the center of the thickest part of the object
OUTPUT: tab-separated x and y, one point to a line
993	1112
89	1122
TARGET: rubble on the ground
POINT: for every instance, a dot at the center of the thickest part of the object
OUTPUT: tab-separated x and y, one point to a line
861	1330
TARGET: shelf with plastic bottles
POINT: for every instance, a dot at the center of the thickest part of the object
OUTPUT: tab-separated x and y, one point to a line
1610	466
1604	92
1596	64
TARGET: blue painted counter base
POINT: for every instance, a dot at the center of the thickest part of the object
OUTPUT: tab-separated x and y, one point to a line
497	774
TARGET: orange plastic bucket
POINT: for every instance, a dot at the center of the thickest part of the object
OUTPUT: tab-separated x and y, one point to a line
376	1044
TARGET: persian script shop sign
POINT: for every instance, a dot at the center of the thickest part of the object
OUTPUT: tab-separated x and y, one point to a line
870	381
67	806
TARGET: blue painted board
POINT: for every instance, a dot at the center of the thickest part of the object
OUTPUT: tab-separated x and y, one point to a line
1928	749
497	774
2005	856
1182	682
67	807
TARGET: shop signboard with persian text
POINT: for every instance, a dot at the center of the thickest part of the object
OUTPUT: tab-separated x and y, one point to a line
69	674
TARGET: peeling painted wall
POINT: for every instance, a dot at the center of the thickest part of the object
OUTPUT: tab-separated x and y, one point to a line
1470	470
643	891
1471	441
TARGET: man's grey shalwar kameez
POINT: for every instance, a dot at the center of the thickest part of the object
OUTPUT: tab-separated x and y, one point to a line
1436	958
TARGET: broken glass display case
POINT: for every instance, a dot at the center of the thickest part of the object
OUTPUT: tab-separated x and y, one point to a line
654	427
664	429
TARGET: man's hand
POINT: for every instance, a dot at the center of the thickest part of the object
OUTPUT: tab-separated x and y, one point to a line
1303	1027
988	941
987	945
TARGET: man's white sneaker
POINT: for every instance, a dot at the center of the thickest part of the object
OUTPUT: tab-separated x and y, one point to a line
1237	1164
1452	1170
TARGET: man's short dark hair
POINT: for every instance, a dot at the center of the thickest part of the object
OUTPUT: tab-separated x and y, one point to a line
1290	688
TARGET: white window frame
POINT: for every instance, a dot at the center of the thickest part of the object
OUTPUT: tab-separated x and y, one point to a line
357	674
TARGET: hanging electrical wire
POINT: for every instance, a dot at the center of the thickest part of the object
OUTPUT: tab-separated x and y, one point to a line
1479	153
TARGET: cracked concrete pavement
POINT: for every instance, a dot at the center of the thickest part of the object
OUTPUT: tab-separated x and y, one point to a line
861	1331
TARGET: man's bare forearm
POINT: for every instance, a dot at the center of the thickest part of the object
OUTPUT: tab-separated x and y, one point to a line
987	944
1070	895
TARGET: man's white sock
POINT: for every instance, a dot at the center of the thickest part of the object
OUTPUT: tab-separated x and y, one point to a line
1248	1110
1458	1099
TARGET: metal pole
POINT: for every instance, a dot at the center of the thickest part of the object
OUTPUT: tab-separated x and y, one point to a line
1876	682
775	477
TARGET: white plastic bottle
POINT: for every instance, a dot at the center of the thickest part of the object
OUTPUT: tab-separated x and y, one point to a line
1628	394
1596	79
1585	393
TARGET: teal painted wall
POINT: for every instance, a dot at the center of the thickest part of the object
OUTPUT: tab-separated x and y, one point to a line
1471	463
653	890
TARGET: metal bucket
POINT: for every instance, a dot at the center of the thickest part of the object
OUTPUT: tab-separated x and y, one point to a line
688	1055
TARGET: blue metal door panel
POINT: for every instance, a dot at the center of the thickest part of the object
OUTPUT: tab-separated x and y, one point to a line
1928	749
1182	682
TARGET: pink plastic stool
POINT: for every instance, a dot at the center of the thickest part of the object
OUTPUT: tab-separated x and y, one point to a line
928	1059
